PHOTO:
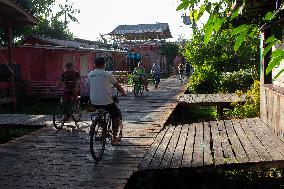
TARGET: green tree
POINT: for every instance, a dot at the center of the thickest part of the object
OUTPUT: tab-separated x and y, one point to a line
217	67
68	12
48	26
227	14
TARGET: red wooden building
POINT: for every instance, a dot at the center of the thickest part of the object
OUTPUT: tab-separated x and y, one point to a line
142	39
43	60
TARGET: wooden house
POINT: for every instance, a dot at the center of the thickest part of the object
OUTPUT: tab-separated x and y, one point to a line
11	16
43	60
144	40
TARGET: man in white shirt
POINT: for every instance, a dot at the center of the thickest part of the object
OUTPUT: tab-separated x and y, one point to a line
101	83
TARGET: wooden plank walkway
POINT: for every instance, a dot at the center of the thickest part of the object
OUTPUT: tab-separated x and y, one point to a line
210	99
25	120
49	158
225	143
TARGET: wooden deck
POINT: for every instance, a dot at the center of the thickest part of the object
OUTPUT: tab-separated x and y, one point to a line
226	143
210	99
25	120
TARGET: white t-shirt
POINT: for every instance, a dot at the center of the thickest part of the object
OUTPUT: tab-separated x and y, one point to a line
101	82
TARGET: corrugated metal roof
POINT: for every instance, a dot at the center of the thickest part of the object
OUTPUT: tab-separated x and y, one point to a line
159	28
66	43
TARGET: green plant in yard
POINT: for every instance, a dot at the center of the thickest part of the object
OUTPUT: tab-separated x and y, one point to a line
251	107
204	80
230	82
244	23
217	67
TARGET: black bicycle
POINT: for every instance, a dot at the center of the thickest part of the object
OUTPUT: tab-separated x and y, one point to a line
65	110
138	87
101	131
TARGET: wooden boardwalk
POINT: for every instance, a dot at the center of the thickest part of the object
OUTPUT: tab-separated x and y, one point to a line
49	158
210	99
25	120
226	143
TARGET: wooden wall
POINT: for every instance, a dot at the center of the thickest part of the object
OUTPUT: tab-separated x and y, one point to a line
272	107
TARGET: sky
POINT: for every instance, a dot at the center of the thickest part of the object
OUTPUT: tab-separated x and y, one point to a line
102	16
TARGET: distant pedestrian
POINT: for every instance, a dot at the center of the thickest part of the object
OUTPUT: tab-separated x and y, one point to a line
156	69
188	70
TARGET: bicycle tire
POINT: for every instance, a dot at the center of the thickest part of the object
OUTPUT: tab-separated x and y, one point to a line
76	113
58	118
97	140
136	89
120	130
142	89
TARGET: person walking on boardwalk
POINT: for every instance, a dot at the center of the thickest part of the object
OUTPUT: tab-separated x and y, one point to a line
101	82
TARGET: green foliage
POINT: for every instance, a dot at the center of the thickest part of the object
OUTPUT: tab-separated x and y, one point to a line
170	51
230	82
204	80
251	107
221	15
214	62
48	26
52	29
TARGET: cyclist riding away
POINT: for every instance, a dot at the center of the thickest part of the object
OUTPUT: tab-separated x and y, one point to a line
70	79
140	75
156	73
101	83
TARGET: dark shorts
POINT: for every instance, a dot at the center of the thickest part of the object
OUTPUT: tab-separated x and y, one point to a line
112	109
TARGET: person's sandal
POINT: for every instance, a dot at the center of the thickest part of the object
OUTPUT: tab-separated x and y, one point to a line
115	143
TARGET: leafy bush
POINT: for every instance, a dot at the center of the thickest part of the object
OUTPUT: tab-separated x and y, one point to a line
252	105
230	82
213	61
204	80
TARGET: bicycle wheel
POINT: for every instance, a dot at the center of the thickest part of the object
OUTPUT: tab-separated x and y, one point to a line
120	132
136	88
76	113
58	117
97	139
142	88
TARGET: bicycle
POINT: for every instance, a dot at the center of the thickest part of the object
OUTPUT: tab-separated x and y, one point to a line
100	131
64	110
156	79
138	86
181	75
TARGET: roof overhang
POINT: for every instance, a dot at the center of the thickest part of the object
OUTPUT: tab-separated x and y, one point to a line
11	13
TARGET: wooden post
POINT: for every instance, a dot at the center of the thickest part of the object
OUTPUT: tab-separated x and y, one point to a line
10	64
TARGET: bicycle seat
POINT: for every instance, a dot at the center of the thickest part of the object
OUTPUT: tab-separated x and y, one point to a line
101	111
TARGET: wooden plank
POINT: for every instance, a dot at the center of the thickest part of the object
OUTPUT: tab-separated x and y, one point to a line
217	148
278	143
166	161
197	159
188	149
229	156
177	157
158	156
248	147
272	150
208	159
236	144
261	150
148	157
